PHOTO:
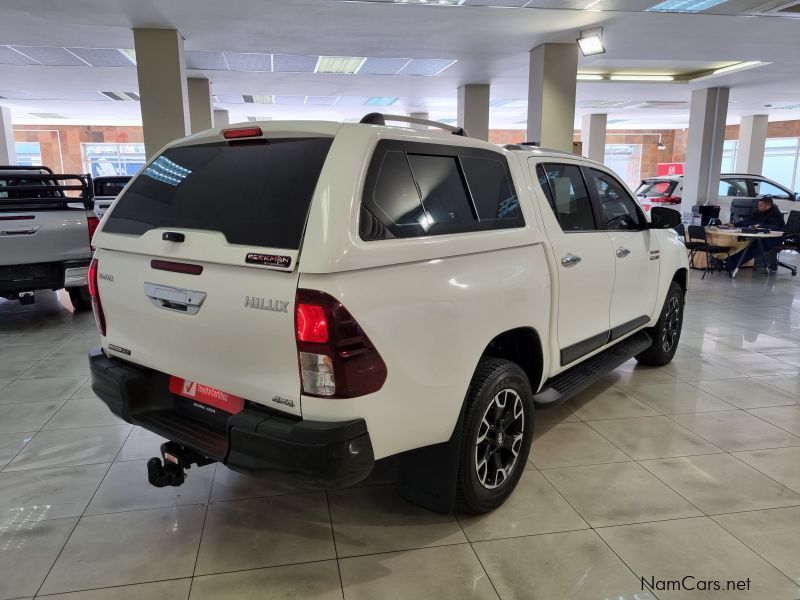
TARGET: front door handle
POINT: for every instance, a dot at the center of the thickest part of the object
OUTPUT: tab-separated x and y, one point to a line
570	260
622	252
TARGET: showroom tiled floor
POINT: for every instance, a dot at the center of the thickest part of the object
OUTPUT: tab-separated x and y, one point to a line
692	469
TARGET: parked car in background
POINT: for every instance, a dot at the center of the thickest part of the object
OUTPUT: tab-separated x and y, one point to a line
45	234
668	191
106	190
369	291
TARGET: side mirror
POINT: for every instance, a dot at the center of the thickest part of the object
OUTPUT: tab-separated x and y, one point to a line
662	217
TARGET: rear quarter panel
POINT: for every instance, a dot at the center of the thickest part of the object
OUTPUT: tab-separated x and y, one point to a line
430	321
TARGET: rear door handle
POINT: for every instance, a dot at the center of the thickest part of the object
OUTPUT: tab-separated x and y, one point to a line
173	298
570	260
622	252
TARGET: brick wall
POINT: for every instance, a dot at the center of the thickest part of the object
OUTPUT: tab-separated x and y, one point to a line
63	142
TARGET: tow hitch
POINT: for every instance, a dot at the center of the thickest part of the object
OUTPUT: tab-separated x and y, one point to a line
176	459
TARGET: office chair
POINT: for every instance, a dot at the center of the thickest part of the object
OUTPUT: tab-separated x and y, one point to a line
697	233
790	242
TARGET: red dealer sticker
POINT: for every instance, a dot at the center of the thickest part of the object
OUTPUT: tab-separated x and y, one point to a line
206	395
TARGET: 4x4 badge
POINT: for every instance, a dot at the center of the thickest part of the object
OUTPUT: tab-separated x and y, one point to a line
261	304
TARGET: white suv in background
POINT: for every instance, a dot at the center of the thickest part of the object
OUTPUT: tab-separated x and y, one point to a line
668	191
310	297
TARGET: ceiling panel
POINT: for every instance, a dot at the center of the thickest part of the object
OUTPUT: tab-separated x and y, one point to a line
51	56
11	57
383	66
102	57
321	100
249	61
290	100
295	63
426	66
207	61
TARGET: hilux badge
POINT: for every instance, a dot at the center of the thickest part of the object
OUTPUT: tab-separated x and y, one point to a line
261	304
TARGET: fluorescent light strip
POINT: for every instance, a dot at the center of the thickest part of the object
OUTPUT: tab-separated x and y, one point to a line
589	77
653	78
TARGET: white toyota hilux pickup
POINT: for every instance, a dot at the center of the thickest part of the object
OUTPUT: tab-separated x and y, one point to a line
310	297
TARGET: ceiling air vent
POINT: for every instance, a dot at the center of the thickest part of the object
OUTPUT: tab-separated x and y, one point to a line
48	115
122	96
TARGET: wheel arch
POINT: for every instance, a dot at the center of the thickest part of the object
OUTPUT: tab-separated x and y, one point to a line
681	277
523	346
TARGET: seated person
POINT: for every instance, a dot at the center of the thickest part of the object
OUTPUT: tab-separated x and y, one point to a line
768	216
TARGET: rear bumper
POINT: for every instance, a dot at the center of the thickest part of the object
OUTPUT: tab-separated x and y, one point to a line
43	276
256	440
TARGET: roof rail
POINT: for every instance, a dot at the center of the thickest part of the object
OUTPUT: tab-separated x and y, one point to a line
380	119
526	146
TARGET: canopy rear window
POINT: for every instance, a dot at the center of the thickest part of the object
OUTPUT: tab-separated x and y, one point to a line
254	193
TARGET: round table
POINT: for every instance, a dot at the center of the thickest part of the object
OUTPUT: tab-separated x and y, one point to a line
753	238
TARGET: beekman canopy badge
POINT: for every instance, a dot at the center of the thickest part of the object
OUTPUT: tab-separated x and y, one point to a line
268	260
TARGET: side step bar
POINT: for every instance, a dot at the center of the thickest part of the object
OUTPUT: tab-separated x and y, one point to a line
565	385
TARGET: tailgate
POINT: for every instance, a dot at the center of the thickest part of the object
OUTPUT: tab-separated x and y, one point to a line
202	327
43	236
197	265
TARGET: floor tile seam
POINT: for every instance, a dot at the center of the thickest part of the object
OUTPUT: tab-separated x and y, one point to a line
110	587
58	556
783	485
747	410
333	537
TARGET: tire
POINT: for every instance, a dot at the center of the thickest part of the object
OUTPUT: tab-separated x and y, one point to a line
499	390
667	331
80	298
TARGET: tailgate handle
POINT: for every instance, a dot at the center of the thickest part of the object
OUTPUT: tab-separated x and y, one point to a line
174	298
26	230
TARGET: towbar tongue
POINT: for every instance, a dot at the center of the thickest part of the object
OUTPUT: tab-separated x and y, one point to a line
172	471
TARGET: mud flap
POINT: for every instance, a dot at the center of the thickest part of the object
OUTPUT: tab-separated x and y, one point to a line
427	476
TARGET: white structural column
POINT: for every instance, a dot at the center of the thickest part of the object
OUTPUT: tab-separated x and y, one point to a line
221	117
200	111
473	110
419	115
8	156
551	95
752	140
707	115
593	136
161	70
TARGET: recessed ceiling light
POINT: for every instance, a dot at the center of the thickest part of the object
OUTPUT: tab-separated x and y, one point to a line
653	78
257	99
591	42
347	65
684	6
589	77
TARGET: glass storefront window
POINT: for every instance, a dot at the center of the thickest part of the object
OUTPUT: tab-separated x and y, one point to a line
729	156
626	161
781	161
113	159
29	154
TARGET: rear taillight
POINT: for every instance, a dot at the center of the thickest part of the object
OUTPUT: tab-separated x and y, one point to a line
94	292
92	222
336	358
665	200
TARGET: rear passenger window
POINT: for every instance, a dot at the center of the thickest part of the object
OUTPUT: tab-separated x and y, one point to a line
566	191
417	189
491	188
444	196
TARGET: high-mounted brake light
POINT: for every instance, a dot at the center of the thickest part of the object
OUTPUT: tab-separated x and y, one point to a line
336	358
94	292
244	132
